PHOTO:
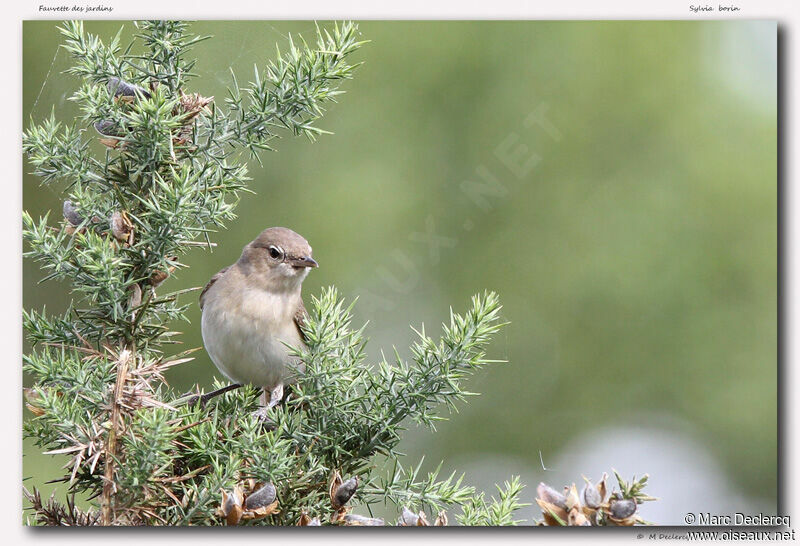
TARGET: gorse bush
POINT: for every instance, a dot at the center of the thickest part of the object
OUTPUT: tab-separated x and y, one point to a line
169	174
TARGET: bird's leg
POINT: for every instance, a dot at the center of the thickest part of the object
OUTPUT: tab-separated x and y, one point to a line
276	395
269	398
263	406
267	402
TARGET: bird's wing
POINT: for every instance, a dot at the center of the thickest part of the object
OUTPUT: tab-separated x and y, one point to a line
214	279
300	319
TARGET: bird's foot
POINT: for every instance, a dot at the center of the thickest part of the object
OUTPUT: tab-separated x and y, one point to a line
262	414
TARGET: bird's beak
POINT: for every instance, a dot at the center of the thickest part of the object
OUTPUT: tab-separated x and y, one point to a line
305	261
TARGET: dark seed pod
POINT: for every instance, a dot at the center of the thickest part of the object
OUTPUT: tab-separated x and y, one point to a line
550	495
120	226
261	497
307	521
356	520
345	492
108	128
121	88
333	485
161	275
408	518
229	503
33	401
71	214
135	299
231	507
158	277
590	496
622	509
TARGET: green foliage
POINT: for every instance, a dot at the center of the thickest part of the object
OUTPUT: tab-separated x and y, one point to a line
327	426
170	175
289	92
633	489
499	511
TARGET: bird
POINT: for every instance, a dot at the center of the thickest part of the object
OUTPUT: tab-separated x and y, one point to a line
252	312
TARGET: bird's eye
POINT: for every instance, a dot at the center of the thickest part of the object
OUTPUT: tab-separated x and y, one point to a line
275	252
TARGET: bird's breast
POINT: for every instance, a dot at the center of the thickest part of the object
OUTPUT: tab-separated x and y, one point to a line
245	335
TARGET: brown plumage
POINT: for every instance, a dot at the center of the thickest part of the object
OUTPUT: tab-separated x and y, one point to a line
214	279
299	316
253	309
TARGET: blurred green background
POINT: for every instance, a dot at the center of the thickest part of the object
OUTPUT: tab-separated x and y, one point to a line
631	232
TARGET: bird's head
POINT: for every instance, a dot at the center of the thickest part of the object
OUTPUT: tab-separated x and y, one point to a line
279	258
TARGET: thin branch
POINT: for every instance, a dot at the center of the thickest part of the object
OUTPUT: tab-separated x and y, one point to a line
107	500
